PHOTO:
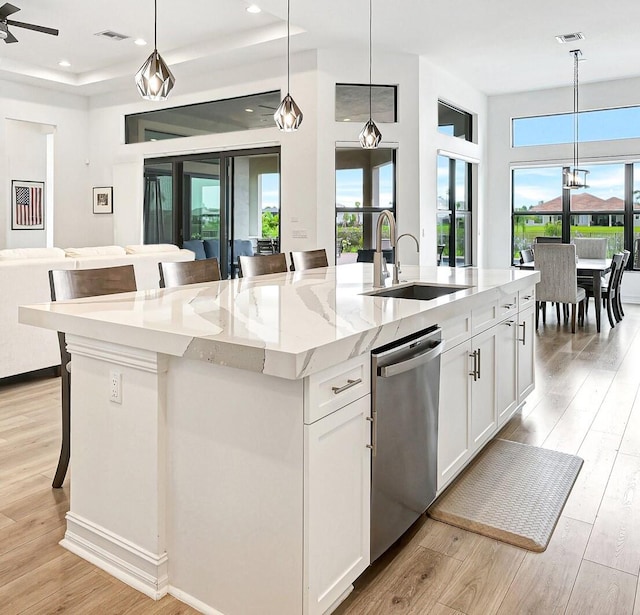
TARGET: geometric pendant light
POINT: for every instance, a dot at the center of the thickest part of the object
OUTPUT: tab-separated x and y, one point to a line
370	136
575	178
288	116
154	79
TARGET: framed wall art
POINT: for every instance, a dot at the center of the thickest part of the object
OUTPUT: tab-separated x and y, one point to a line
103	200
27	205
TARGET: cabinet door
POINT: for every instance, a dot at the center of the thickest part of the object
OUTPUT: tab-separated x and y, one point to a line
483	405
454	412
337	503
525	342
506	369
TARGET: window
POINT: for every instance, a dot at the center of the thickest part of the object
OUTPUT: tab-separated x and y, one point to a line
365	185
454	223
218	116
537	206
230	198
352	103
609	207
599	125
453	122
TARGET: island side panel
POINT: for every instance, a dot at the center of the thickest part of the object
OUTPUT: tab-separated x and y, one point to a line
235	489
117	517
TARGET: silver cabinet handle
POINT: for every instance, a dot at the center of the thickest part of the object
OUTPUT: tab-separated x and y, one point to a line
474	373
524	333
374	433
350	383
509	323
528	297
509	306
478	363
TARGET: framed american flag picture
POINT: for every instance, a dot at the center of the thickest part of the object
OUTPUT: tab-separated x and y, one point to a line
27	206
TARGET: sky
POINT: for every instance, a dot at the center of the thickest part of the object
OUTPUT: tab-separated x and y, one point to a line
349	186
534	185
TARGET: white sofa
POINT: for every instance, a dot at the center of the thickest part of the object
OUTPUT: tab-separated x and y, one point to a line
24	279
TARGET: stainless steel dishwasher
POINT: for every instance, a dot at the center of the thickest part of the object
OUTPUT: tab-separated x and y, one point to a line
405	395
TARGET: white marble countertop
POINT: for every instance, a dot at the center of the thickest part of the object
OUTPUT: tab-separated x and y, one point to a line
288	325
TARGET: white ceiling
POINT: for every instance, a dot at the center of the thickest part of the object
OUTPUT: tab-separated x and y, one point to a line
498	46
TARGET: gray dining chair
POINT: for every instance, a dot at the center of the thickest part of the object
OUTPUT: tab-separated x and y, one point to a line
591	247
559	279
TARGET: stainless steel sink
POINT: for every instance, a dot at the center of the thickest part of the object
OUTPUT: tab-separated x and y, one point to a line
422	292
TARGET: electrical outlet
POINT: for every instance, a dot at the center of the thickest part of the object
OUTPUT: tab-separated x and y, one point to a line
115	387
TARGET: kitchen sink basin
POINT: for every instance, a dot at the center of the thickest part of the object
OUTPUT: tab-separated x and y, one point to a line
422	292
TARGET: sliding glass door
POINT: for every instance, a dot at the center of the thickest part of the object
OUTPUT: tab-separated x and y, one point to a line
230	199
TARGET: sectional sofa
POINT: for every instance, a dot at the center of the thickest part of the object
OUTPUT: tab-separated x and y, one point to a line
24	279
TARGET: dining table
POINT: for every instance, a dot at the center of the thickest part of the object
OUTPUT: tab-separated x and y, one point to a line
593	267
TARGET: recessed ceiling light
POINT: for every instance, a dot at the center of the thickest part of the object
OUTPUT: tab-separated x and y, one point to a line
249	110
254	8
140	41
570	38
64	63
346	119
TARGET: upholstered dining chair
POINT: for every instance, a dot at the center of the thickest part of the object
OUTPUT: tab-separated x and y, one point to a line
558	278
261	265
75	284
311	259
188	272
591	247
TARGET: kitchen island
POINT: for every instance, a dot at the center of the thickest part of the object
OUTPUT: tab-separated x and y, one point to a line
234	470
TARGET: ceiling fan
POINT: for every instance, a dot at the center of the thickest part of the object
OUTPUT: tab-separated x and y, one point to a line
8	9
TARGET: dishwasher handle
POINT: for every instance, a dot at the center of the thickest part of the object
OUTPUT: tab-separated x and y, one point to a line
404	366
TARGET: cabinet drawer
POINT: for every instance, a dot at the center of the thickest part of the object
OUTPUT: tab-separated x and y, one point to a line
336	387
484	317
526	297
507	304
456	330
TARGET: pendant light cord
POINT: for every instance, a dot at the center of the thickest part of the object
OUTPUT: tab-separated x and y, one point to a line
288	43
155	24
370	60
575	109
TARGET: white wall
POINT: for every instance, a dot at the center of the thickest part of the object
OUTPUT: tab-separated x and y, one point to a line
502	157
27	142
74	222
436	84
120	165
307	156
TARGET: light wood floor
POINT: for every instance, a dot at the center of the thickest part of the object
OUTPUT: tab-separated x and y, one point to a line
584	403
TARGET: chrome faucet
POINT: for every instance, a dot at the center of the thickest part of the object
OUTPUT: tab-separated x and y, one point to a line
396	269
380	272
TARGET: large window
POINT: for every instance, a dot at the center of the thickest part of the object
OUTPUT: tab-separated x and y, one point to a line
352	103
454	122
599	125
608	208
454	222
230	198
216	116
365	185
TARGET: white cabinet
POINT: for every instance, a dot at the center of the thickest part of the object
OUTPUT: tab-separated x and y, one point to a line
507	368
484	378
454	412
337	494
525	345
337	498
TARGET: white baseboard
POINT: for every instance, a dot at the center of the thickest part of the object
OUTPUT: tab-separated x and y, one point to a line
193	602
131	564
